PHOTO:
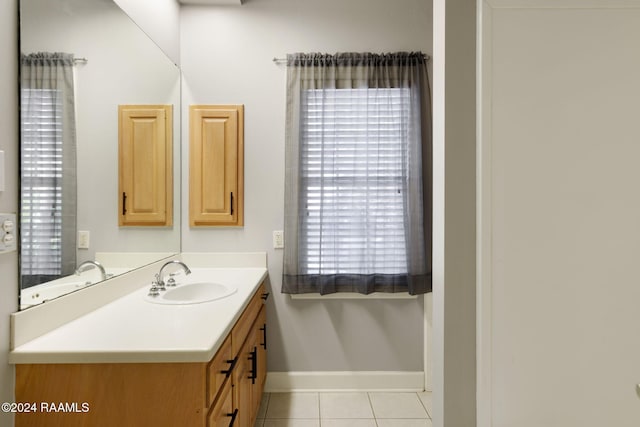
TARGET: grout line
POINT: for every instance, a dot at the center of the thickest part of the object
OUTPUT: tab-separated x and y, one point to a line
266	406
424	406
372	409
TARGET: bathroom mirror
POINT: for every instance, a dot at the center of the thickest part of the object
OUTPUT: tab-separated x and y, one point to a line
115	63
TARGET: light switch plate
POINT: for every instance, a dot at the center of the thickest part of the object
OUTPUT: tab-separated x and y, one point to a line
83	239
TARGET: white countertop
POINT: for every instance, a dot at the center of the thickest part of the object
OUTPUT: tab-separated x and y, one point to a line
133	330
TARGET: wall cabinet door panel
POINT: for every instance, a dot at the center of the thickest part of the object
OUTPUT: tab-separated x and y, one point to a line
145	173
216	170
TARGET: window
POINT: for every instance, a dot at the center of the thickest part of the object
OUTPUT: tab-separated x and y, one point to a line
41	216
357	127
48	163
352	151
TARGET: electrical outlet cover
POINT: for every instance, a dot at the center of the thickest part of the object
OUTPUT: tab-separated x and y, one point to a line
278	239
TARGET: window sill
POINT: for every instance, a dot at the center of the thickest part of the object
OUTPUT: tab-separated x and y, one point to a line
349	295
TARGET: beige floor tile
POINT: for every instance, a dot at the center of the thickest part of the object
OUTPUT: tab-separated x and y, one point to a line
291	422
427	402
345	405
389	422
347	422
397	405
293	405
259	422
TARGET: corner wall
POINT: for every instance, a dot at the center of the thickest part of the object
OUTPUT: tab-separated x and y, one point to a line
9	197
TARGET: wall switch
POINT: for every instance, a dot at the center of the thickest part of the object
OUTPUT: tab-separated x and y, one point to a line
278	239
7	232
83	240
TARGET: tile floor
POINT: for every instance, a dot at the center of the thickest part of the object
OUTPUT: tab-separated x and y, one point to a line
379	409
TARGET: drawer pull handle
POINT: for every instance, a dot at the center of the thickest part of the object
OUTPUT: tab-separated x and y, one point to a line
232	364
233	416
264	336
265	296
253	374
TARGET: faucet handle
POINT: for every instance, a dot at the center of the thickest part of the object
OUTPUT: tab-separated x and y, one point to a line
171	281
153	292
158	284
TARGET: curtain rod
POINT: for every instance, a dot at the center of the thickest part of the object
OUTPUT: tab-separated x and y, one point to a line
80	60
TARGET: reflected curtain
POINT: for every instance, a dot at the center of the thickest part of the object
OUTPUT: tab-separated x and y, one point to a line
48	163
357	174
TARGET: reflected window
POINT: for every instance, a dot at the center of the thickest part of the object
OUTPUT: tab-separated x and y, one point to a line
41	212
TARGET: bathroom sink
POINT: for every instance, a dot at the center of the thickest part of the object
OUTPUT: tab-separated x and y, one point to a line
193	293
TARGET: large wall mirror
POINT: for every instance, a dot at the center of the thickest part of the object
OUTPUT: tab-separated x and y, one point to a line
113	62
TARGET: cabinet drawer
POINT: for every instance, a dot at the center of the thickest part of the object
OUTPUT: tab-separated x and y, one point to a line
217	370
243	326
222	414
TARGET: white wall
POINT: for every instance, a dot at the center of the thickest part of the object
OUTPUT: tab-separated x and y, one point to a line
160	19
226	58
562	323
9	197
124	67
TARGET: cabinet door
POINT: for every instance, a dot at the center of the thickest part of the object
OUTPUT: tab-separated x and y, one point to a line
260	343
145	173
243	385
222	414
216	168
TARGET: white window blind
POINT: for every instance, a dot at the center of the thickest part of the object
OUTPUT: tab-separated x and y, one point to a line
41	227
353	168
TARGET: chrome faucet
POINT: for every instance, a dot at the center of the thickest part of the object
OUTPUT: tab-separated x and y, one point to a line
171	281
89	264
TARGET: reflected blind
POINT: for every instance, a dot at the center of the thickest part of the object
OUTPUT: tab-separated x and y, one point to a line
41	214
353	163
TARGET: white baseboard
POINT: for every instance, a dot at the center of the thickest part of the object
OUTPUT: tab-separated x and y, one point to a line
344	381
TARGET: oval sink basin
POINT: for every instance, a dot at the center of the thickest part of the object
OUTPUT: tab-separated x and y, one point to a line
193	293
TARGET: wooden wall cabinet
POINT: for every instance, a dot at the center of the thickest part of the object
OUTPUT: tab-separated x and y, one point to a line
224	392
216	165
145	165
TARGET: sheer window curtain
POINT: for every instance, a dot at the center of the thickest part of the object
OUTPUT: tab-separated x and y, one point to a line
48	167
357	174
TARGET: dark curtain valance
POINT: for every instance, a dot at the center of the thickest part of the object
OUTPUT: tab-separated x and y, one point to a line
355	59
48	58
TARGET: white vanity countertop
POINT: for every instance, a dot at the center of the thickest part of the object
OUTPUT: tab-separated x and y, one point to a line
133	330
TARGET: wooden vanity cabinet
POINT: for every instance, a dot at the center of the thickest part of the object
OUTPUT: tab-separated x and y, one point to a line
224	392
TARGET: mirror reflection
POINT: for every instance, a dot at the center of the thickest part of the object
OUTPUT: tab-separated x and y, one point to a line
81	59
